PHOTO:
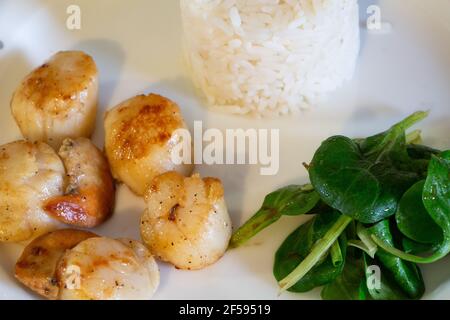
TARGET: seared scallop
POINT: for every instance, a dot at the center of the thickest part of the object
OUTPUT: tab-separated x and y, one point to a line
30	174
77	265
58	100
107	269
141	134
36	268
89	191
186	221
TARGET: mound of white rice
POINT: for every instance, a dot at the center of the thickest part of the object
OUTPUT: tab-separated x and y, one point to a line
269	57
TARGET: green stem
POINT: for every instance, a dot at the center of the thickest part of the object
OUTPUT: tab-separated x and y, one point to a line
361	246
366	239
262	219
443	250
412	119
307	187
414	137
320	248
271	211
336	254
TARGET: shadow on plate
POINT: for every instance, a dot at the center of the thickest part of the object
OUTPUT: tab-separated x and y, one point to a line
14	66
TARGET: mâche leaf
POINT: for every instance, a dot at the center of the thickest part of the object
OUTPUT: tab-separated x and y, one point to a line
406	274
347	181
366	178
436	199
391	143
413	220
377	203
420	157
318	250
384	288
421	152
413	247
298	245
350	284
289	201
436	195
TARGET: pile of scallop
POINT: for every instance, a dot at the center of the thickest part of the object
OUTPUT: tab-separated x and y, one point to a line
56	182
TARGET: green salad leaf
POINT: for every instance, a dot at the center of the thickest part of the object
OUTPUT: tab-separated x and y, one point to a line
350	284
366	178
436	196
436	199
288	201
298	246
390	145
407	275
385	288
318	250
420	156
413	247
413	219
347	181
380	204
421	152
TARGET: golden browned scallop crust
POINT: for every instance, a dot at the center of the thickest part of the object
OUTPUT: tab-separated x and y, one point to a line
89	196
186	221
140	136
58	100
36	267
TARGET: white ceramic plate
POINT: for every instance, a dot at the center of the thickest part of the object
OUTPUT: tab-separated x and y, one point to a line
136	45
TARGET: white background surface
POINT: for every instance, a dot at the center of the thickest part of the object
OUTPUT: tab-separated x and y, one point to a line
136	44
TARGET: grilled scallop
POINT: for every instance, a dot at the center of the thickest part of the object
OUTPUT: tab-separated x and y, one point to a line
58	100
186	221
30	174
141	134
38	188
89	192
78	265
107	269
36	268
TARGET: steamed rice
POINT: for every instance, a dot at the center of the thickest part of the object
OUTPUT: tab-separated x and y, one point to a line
269	57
